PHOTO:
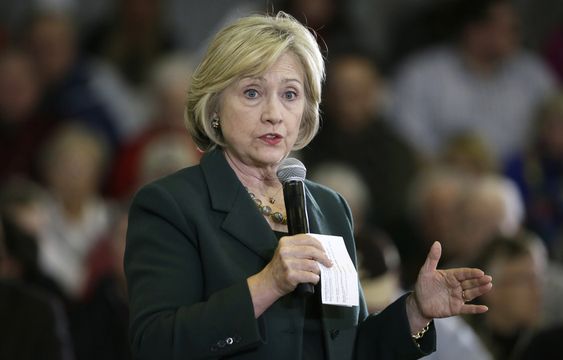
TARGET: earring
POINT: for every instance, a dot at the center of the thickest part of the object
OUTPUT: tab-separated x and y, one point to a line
215	121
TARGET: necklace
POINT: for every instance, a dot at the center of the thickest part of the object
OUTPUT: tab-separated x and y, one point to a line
276	216
272	199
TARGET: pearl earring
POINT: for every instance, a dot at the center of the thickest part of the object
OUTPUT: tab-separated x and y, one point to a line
215	121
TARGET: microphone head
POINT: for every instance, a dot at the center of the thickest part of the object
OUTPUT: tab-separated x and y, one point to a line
291	169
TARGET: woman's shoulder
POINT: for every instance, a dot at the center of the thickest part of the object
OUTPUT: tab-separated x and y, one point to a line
325	196
317	189
182	183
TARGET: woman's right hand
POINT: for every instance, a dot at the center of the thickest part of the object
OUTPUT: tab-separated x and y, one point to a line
295	261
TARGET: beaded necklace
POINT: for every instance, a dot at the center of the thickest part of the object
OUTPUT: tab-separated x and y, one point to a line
276	216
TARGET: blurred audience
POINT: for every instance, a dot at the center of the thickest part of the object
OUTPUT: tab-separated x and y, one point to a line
462	211
378	259
33	322
73	163
538	172
22	204
458	341
164	146
419	25
468	154
483	212
328	18
551	281
380	265
354	132
22	125
99	322
539	19
545	344
21	200
515	305
553	51
482	82
134	40
434	199
51	40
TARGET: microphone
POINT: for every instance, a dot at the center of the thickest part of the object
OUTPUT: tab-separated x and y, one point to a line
291	174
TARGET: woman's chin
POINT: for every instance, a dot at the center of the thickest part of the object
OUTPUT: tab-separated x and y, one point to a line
269	161
260	157
270	157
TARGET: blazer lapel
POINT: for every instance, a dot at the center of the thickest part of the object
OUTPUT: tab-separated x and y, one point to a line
316	217
242	220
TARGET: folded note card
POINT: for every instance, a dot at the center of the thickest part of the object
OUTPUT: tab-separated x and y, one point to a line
339	283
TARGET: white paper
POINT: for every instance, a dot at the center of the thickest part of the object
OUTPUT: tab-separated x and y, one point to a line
339	283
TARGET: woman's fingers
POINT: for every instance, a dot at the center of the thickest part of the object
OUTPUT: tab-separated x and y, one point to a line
463	274
474	288
301	271
475	292
307	277
473	309
306	265
468	284
307	252
301	239
433	257
297	261
304	247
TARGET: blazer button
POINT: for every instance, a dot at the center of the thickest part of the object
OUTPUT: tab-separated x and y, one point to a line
229	341
334	333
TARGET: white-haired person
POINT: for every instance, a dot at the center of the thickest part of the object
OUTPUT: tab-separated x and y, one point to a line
211	269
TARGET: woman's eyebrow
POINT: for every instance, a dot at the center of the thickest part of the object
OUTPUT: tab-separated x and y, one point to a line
262	79
292	80
251	78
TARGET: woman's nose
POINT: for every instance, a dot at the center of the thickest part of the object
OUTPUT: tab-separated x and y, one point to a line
273	110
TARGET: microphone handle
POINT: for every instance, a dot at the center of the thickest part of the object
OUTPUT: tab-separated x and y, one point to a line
297	219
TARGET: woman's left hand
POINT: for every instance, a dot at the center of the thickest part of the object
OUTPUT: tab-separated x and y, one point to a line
444	293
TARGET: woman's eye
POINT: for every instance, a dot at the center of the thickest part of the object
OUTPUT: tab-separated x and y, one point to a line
251	93
290	95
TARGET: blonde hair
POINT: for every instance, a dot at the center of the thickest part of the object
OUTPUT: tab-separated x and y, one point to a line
248	47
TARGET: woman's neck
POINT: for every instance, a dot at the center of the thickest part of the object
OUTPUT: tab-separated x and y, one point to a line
262	179
263	184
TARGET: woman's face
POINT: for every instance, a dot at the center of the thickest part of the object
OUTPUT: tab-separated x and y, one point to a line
260	116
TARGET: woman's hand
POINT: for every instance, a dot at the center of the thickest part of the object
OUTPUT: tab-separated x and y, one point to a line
294	262
444	293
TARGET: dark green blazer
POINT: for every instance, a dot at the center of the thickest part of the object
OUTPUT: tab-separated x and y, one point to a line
194	238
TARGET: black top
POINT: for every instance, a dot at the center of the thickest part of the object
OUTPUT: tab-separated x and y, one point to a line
193	239
313	344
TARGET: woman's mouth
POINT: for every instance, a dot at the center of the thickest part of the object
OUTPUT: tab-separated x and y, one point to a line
271	139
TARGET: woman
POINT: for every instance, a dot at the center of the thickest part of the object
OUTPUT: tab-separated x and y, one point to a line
207	277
